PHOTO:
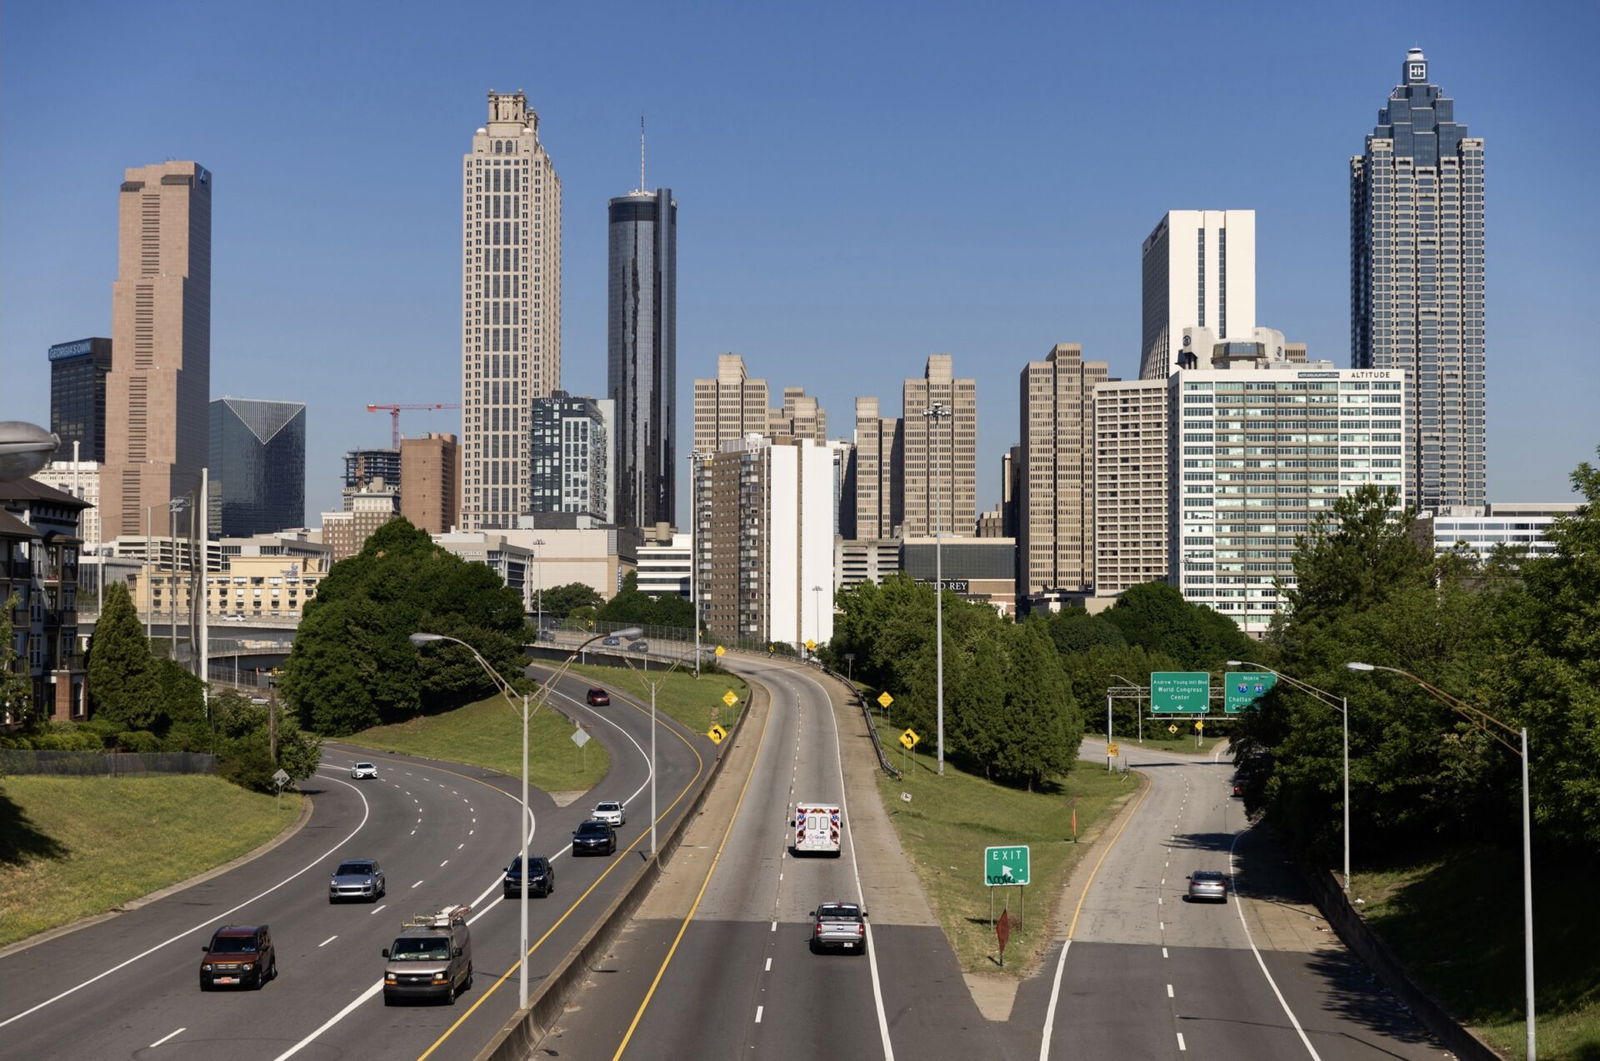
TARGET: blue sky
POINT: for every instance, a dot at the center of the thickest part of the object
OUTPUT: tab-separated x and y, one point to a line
859	185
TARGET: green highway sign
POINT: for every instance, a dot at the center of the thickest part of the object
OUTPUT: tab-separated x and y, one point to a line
1241	689
1005	867
1180	692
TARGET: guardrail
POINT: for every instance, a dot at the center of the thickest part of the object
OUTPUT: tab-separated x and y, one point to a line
866	714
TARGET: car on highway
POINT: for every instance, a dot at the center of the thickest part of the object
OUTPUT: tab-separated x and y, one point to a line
357	878
1237	787
361	770
430	959
1208	884
610	811
611	641
594	837
841	926
541	877
639	646
238	956
599	698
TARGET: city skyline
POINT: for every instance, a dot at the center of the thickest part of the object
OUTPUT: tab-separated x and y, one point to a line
848	287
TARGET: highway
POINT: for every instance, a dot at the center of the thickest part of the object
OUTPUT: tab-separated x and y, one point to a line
127	986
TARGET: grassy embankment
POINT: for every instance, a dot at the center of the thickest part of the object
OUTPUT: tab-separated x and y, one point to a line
951	819
1457	922
696	704
73	847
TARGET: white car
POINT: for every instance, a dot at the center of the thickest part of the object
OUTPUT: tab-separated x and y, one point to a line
611	812
361	770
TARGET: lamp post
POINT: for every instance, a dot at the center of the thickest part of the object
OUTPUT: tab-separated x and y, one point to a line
419	639
1484	721
816	612
174	506
1342	705
538	628
937	412
695	460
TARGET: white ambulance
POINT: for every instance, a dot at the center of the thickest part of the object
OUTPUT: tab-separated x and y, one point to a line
818	828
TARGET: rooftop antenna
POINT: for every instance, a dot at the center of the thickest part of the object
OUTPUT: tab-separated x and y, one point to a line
642	185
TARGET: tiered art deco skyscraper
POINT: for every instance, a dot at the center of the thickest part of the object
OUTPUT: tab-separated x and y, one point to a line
157	421
642	354
510	307
1416	280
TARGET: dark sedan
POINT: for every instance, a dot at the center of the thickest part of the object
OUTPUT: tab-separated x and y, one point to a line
541	877
594	837
599	698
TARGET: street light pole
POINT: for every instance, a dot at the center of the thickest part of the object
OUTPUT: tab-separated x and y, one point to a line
1343	707
937	412
174	506
816	612
694	555
539	574
1483	720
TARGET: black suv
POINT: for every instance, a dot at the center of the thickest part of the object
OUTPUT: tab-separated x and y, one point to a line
541	877
594	837
238	956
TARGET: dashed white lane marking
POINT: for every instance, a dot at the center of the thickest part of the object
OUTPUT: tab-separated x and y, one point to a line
1161	926
375	909
1169	990
774	926
758	1013
327	941
415	885
445	863
769	965
1181	1046
165	1037
464	844
1163	952
1159	900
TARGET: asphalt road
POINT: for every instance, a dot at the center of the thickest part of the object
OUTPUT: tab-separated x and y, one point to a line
127	987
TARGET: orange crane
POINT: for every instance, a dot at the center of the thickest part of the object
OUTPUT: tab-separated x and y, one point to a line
394	415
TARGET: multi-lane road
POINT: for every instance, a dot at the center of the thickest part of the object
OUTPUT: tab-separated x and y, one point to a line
127	986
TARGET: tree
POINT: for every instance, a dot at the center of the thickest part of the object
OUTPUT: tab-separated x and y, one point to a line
1356	555
562	601
16	688
1155	616
1074	630
633	607
123	683
244	743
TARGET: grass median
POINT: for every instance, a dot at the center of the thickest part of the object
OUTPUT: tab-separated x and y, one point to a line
488	733
74	847
695	703
948	822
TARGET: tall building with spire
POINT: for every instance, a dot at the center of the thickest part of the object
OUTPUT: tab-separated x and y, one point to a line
510	307
158	425
1416	281
642	351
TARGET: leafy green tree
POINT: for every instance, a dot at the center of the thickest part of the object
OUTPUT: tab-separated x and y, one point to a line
1356	555
244	743
561	601
16	688
1075	630
1043	726
1155	615
124	686
634	607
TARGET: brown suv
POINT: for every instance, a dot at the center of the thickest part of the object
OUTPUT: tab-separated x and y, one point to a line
239	956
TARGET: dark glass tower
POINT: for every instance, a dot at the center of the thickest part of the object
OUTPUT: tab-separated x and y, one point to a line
1416	282
258	466
642	355
78	397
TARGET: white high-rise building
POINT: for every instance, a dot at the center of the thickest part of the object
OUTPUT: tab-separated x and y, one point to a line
1199	270
510	308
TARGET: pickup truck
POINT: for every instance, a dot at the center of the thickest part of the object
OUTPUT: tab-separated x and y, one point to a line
842	925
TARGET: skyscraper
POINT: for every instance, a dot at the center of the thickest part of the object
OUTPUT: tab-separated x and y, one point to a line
1416	280
510	307
258	466
878	474
1055	545
157	425
428	492
730	406
642	353
1199	270
572	469
78	397
940	454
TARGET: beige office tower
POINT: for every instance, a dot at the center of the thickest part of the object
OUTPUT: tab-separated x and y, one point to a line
800	417
1055	473
428	469
730	406
879	468
1199	270
510	308
158	392
941	465
1131	461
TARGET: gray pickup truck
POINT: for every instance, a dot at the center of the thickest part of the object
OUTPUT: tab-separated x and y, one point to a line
841	925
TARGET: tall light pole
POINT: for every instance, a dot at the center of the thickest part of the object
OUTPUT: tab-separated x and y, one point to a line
695	460
937	412
1342	705
816	612
174	506
512	696
539	573
1484	721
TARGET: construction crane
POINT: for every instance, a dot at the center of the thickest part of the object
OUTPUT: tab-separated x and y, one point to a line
394	415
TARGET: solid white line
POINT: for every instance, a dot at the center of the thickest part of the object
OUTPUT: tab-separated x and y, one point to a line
758	1013
366	811
165	1037
327	941
769	965
1239	906
1055	996
1181	1046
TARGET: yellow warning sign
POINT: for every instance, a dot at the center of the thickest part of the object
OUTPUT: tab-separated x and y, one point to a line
721	652
909	739
1113	750
1200	725
717	734
884	700
729	699
811	646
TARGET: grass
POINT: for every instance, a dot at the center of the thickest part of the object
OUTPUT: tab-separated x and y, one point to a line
79	846
696	704
488	733
951	819
1456	920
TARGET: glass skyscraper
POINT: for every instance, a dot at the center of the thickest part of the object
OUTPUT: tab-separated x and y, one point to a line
1416	281
258	466
642	355
78	397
